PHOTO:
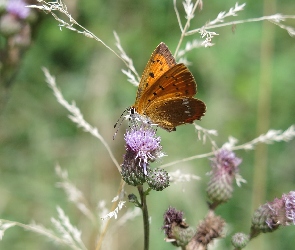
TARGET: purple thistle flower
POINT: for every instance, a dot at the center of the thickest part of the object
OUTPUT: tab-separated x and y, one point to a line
224	170
142	147
289	201
272	215
177	231
142	142
172	216
18	8
226	160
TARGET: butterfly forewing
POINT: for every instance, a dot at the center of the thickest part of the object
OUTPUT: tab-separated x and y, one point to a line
176	82
161	61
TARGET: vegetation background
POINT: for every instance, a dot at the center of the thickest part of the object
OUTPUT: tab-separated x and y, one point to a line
35	132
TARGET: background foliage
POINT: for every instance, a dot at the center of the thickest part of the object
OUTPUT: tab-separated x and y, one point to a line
35	132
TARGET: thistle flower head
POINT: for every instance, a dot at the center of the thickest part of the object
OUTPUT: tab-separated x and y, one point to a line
289	201
224	169
226	160
240	240
171	215
210	228
158	179
271	215
142	147
177	231
18	8
142	142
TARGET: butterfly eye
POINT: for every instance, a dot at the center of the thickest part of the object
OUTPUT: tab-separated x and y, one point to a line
132	111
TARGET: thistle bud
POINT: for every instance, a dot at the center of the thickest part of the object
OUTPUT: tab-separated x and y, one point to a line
158	179
224	169
240	240
270	216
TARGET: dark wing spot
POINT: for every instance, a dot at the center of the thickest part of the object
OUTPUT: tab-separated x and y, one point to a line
152	74
161	87
154	93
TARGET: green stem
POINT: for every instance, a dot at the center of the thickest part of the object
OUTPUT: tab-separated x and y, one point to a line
145	215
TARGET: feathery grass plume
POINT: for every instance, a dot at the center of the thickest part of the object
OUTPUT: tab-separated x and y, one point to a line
73	193
68	232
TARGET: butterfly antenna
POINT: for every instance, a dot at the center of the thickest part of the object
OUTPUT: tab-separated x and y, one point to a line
120	121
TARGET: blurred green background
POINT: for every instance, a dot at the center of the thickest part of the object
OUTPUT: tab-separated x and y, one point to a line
36	133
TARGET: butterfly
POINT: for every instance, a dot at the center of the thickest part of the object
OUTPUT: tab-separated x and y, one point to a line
166	92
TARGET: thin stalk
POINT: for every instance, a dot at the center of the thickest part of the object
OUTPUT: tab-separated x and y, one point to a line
263	115
145	216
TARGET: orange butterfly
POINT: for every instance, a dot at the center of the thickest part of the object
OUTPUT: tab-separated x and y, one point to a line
166	92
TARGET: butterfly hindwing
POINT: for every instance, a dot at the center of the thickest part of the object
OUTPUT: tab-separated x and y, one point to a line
175	111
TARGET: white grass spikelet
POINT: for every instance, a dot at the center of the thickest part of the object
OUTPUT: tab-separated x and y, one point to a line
114	213
239	180
269	137
231	143
178	176
130	77
232	12
190	45
203	134
188	8
4	226
127	59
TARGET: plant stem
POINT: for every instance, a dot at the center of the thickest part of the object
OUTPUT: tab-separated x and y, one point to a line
145	216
